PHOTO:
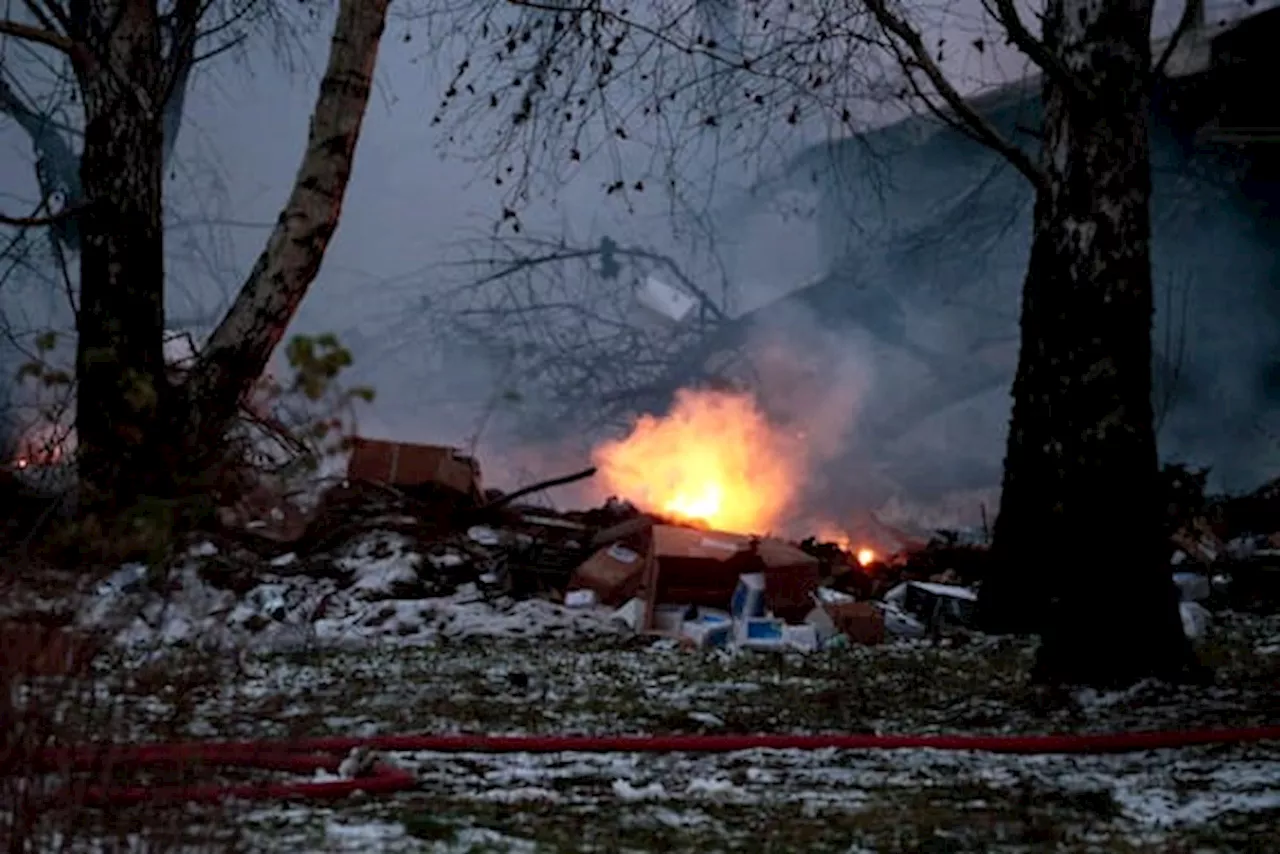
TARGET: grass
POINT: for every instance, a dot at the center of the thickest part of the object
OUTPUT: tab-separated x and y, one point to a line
1209	799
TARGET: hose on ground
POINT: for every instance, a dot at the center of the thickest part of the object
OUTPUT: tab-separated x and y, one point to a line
306	756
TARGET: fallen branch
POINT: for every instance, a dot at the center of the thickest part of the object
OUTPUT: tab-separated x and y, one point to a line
538	487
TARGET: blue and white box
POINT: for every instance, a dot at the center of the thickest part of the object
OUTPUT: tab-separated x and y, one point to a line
748	596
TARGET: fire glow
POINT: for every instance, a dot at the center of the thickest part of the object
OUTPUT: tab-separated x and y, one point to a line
713	460
829	533
42	445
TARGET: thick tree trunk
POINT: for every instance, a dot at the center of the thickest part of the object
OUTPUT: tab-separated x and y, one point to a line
241	346
122	390
1078	535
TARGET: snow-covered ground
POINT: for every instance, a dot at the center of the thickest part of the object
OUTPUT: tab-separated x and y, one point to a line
354	648
378	589
910	800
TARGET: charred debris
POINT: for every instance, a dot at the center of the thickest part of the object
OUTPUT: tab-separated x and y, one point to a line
704	587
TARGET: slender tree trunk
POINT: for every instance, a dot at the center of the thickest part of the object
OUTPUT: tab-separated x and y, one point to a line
119	356
1077	541
241	346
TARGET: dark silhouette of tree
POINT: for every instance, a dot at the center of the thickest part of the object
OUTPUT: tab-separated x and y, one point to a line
137	433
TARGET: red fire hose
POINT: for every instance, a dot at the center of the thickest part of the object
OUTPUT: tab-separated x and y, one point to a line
305	756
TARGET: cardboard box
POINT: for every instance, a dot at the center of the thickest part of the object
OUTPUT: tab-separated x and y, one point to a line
699	567
692	566
790	583
861	622
615	573
405	464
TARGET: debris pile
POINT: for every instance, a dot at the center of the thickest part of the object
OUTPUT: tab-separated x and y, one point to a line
410	547
1225	551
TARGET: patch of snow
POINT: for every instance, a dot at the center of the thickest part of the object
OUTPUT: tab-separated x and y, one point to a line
126	579
627	792
523	794
382	565
706	718
364	836
671	818
484	535
471	839
384	603
712	787
1087	698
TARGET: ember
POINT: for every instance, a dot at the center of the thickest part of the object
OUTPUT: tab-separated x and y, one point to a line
714	460
828	533
42	445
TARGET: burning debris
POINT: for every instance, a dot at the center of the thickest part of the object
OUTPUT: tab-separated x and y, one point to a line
411	545
715	460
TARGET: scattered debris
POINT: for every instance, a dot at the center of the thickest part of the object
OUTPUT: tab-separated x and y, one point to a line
922	608
411	547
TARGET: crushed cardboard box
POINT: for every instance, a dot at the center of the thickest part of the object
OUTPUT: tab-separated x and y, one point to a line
405	464
715	589
704	568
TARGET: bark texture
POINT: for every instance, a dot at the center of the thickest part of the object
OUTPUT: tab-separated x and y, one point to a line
239	349
1077	540
121	392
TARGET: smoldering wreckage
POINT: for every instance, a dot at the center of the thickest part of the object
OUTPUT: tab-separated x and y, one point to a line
410	547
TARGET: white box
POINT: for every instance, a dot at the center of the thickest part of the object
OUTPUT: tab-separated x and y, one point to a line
760	633
708	633
803	637
669	619
662	299
748	596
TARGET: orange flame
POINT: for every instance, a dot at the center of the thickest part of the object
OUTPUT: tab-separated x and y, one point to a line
828	533
713	460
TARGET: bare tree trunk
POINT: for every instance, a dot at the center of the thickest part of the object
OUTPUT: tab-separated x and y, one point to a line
1078	534
122	389
241	346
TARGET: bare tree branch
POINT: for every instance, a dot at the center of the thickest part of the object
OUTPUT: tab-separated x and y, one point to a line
47	11
41	220
1006	13
79	56
918	57
183	28
48	38
1192	13
42	17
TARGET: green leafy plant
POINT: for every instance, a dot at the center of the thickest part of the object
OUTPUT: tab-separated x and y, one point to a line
315	407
